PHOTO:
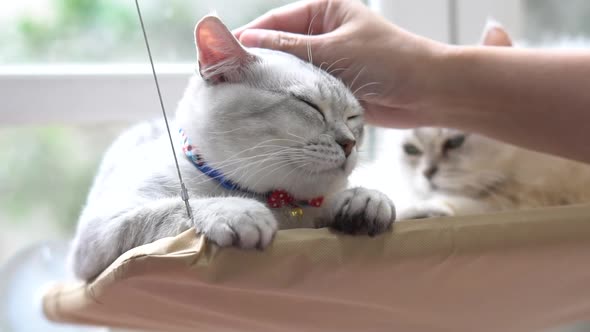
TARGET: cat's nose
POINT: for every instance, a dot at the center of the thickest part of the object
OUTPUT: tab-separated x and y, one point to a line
430	171
347	145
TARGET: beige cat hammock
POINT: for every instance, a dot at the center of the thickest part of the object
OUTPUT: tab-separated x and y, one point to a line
516	271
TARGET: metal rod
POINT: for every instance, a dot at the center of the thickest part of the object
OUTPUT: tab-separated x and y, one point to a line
183	191
453	23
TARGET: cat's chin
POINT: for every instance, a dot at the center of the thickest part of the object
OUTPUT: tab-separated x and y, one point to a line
323	177
335	172
305	183
342	169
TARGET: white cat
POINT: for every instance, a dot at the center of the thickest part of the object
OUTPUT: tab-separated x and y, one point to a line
267	142
454	172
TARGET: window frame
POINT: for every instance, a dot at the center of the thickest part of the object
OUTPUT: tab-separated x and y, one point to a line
65	94
86	94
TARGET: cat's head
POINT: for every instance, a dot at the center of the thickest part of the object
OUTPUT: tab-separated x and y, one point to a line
449	161
267	119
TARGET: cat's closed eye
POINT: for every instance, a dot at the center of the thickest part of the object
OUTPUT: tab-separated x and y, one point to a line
310	104
411	150
454	142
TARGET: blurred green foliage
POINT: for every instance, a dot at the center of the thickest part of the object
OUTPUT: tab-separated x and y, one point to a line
108	30
46	172
546	20
73	30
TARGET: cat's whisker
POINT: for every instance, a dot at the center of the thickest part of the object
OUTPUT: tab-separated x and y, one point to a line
283	162
288	163
278	167
355	78
204	178
291	163
241	159
286	177
309	172
225	132
259	144
296	136
258	170
309	32
334	63
336	70
364	86
250	164
234	161
370	94
263	158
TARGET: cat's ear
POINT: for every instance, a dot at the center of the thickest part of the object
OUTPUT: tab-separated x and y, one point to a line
221	56
494	34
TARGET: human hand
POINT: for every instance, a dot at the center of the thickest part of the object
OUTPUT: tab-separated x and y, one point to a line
384	66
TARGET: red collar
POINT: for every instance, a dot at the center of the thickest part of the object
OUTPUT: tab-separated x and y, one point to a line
279	198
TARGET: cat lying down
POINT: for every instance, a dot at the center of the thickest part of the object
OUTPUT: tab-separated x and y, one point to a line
264	140
457	173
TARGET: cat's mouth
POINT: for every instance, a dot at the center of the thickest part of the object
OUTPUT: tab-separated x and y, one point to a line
325	160
334	169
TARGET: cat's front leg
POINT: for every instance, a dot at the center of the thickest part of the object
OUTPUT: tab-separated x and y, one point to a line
360	210
428	209
241	222
103	234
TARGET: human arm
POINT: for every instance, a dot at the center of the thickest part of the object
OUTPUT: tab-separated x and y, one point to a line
531	98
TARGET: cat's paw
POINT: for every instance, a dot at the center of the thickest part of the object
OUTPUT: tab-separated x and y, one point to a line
426	211
361	210
239	222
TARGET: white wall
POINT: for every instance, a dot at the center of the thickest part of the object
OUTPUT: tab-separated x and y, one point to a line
428	18
472	15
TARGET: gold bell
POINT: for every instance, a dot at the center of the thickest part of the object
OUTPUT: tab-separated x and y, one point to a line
296	212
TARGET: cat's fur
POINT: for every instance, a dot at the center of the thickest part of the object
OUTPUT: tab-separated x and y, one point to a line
484	175
245	114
